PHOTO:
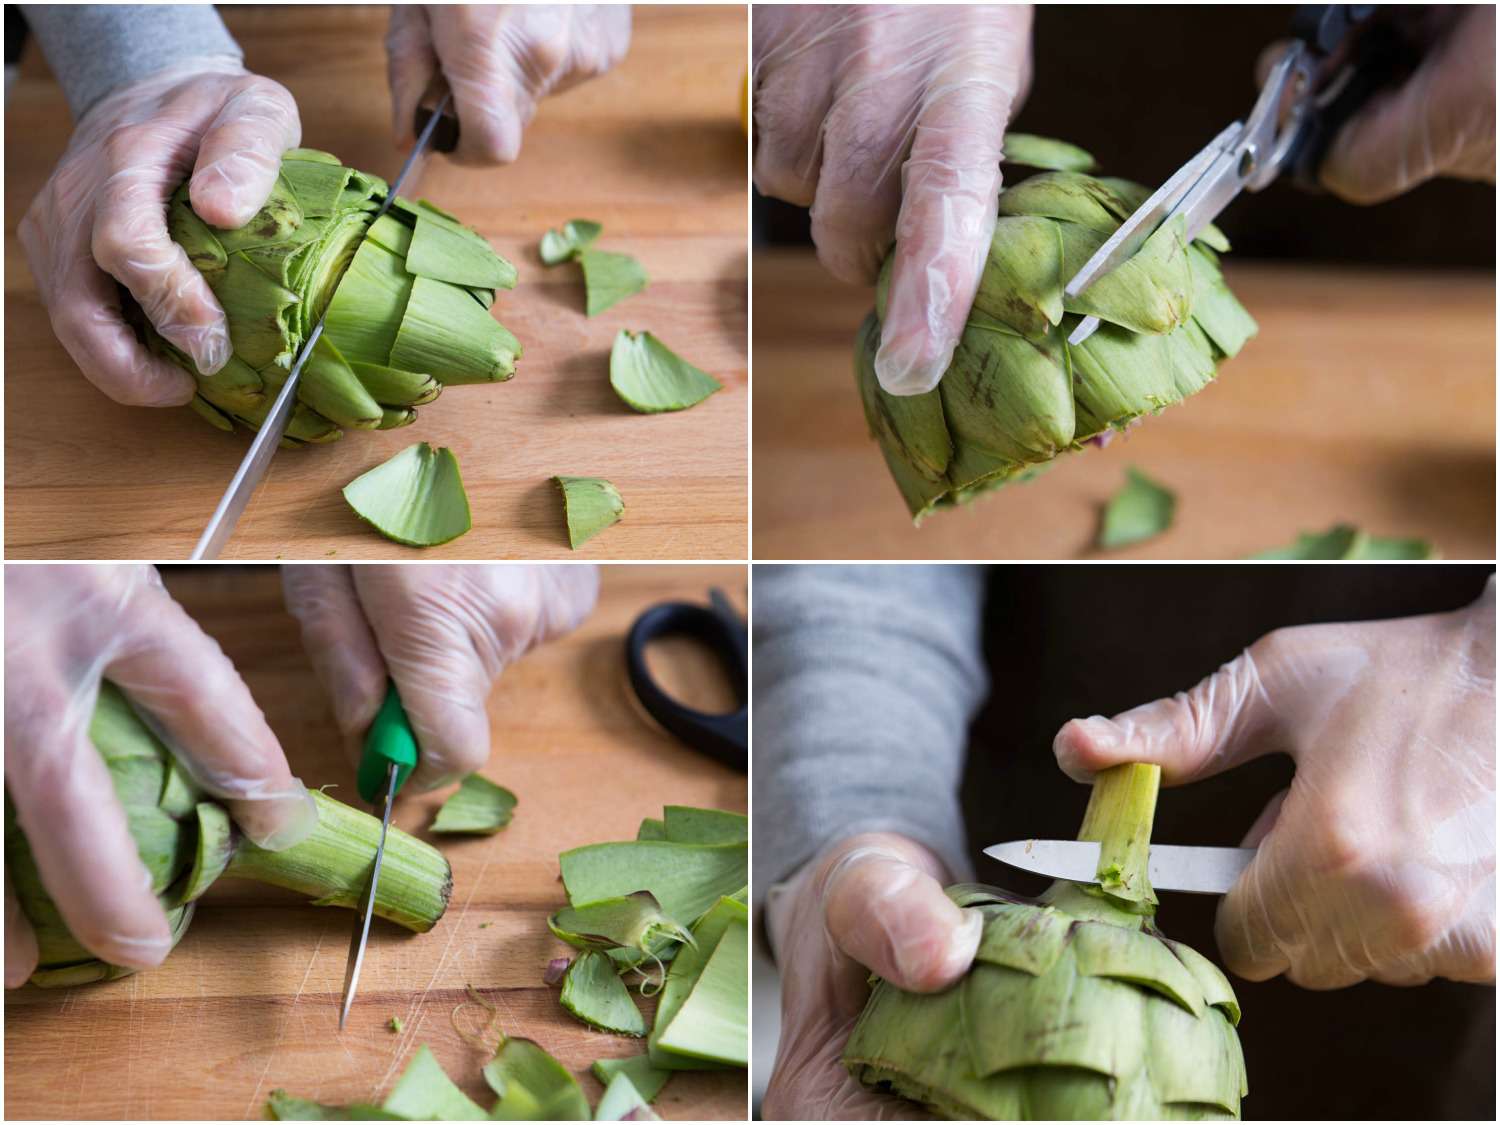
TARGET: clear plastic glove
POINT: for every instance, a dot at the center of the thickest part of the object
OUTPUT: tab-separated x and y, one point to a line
888	122
499	61
1439	122
66	628
443	634
872	902
101	217
1378	863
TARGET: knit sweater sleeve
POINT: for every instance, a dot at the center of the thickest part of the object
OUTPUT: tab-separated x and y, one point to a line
866	679
96	48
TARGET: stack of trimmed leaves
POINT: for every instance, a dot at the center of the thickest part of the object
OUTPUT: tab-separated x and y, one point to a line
666	909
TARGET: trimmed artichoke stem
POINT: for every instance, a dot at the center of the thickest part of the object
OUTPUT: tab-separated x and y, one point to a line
333	865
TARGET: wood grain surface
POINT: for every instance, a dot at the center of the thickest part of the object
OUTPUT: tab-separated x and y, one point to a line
1367	398
249	1000
654	150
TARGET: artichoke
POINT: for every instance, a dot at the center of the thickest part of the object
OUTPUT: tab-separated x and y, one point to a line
1076	1006
407	298
1016	394
186	840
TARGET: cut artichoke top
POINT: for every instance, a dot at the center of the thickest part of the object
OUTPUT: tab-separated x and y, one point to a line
1016	394
407	301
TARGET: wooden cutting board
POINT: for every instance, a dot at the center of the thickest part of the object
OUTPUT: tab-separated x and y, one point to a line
249	1000
1367	398
654	150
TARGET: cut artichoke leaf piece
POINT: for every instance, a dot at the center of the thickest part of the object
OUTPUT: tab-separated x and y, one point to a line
446	333
634	921
1345	541
609	278
652	828
416	498
623	1102
1044	152
1142	509
593	992
477	807
702	1015
687	879
652	379
575	237
590	504
683	824
532	1085
281	1106
648	1080
445	250
426	1093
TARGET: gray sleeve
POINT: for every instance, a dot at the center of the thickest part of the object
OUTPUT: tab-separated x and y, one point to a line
866	678
93	48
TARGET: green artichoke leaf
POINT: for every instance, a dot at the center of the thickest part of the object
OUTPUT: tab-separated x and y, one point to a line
576	236
702	1012
1345	541
648	1080
651	378
1142	509
447	334
426	1093
623	1102
590	504
532	1085
445	250
416	498
634	921
609	278
652	828
366	310
477	807
682	824
687	879
593	992
284	1107
1044	152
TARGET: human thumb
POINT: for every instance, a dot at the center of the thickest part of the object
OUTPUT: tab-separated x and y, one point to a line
885	908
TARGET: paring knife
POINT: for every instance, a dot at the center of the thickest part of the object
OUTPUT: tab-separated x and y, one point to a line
390	753
257	459
1203	871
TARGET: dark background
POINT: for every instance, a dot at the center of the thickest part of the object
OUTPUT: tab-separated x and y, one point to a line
1145	87
1070	641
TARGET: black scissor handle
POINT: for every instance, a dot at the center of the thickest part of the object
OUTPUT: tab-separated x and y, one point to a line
724	738
1379	57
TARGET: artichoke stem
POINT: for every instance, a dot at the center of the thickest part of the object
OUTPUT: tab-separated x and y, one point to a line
1121	809
333	865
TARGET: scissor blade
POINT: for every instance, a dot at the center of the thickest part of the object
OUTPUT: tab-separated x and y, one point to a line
1143	222
257	458
361	935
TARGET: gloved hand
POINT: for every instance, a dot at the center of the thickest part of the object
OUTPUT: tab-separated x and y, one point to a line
66	628
101	217
443	634
1439	122
888	122
870	902
1378	863
499	61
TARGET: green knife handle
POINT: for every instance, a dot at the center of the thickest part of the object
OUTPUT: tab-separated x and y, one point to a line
389	741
